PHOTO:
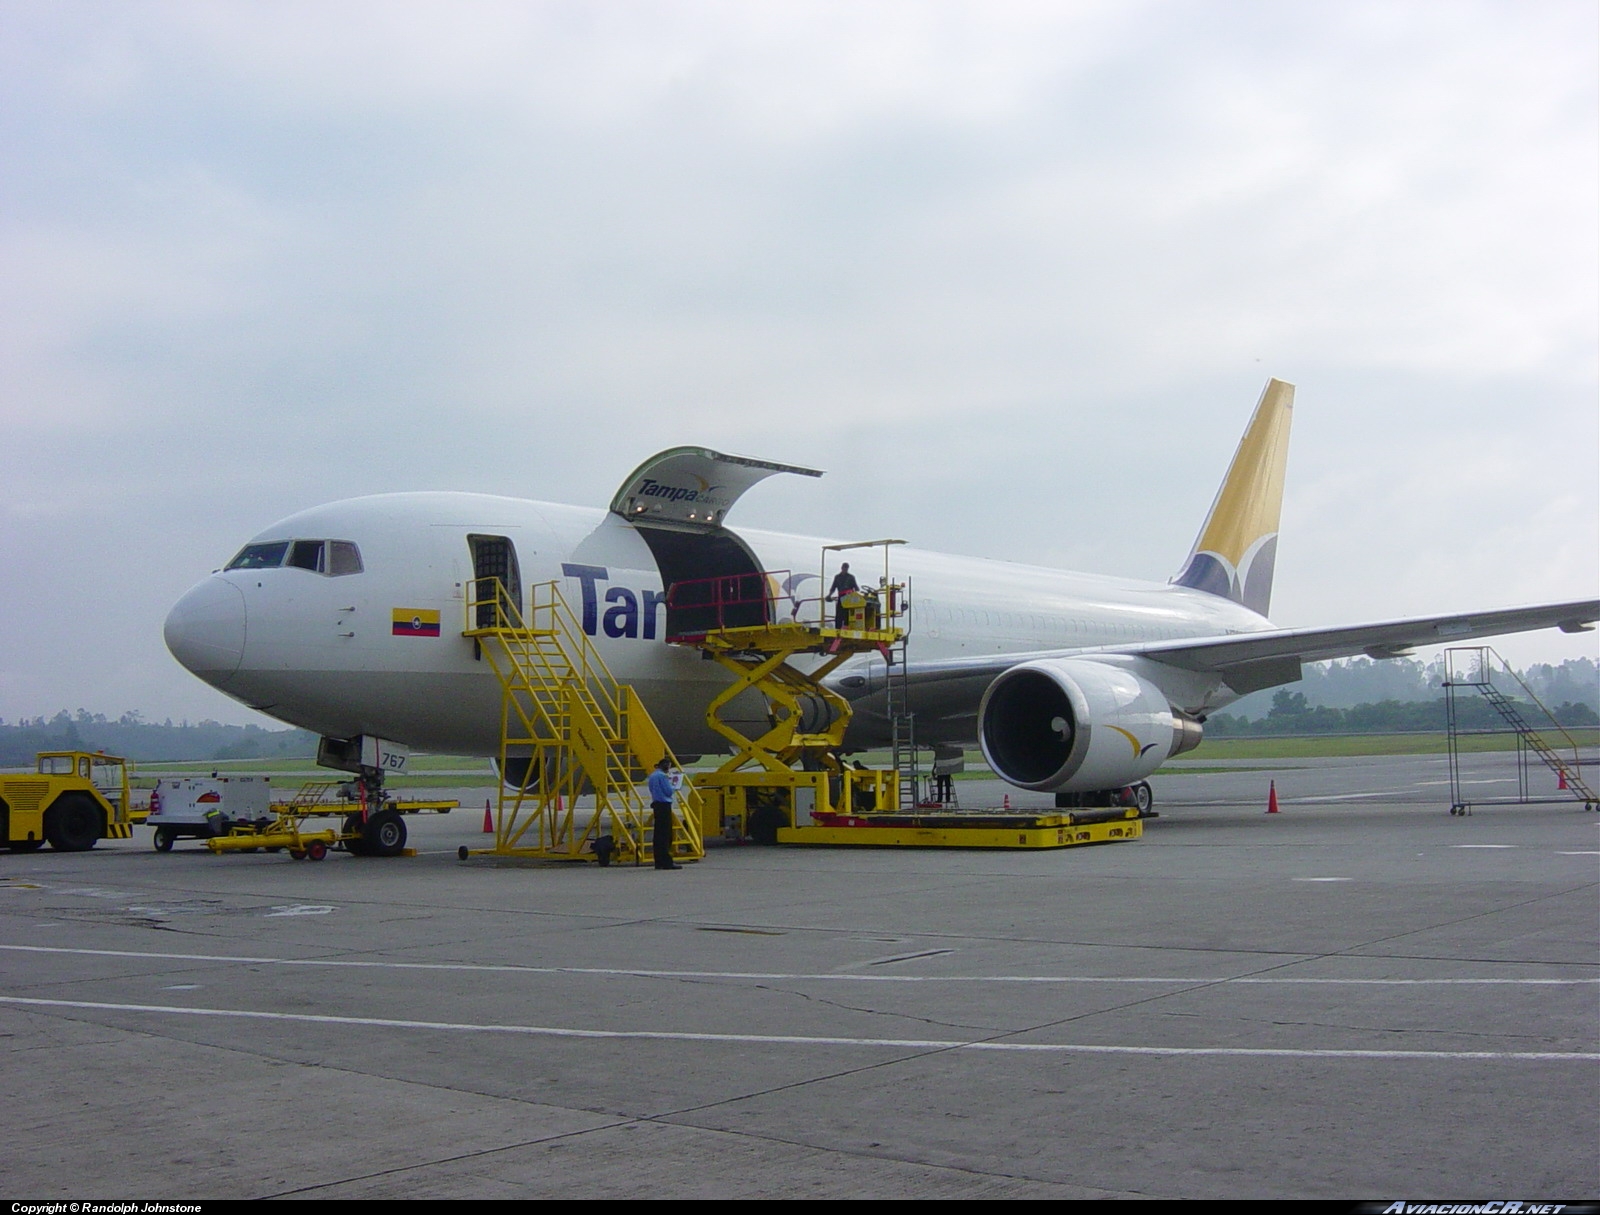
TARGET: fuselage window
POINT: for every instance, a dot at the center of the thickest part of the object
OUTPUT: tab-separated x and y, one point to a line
306	555
260	556
343	558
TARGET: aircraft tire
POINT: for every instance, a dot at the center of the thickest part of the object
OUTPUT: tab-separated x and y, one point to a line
164	838
763	824
385	834
72	824
355	841
1143	797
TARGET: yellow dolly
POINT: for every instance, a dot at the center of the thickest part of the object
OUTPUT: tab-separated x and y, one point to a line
283	832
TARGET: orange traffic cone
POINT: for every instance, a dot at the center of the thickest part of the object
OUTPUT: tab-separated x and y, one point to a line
1008	802
1272	797
1561	778
488	818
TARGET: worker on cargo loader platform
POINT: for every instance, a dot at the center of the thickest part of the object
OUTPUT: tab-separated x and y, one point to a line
844	583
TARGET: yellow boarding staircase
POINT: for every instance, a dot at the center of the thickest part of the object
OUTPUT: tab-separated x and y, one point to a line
578	733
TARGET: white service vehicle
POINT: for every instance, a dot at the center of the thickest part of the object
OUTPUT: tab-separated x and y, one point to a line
203	807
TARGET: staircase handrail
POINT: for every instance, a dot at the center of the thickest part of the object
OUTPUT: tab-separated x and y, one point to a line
1551	717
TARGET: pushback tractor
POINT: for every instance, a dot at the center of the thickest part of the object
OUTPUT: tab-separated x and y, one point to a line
71	800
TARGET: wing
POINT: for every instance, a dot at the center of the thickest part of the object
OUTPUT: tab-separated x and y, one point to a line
1248	662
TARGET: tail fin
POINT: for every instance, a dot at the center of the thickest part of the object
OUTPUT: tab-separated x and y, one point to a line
1238	546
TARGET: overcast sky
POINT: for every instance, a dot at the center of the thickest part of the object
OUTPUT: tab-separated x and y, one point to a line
1013	273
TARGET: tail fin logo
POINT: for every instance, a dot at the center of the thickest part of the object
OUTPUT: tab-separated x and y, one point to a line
1238	546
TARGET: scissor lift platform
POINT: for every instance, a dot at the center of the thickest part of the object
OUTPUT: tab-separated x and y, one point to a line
790	784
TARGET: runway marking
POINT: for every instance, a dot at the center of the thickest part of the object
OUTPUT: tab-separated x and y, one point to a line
1484	845
1578	854
1322	879
780	976
1063	1048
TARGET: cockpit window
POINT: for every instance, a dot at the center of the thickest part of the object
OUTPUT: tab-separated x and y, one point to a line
260	556
333	558
343	558
307	555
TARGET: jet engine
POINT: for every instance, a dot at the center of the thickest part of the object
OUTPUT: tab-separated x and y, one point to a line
1073	724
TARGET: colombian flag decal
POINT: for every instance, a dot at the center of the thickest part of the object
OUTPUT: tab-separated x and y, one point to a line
414	622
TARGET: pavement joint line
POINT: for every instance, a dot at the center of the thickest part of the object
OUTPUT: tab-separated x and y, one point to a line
417	1166
668	1120
1462	919
931	1044
779	976
671	1121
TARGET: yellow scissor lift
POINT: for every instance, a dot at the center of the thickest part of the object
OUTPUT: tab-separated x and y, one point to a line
790	785
575	732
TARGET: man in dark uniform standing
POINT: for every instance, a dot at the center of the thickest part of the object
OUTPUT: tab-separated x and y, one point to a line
844	583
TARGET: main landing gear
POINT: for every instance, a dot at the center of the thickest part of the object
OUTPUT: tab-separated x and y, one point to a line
1139	796
382	832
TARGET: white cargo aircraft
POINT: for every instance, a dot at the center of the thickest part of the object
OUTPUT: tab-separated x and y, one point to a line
346	620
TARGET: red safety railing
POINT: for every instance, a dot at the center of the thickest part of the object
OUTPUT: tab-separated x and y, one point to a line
730	601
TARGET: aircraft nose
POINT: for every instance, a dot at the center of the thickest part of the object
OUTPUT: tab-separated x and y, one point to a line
205	630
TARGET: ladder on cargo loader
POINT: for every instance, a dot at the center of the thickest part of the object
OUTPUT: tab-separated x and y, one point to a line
569	731
1474	667
902	728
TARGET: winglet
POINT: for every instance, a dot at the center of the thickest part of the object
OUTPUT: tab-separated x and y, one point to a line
1238	546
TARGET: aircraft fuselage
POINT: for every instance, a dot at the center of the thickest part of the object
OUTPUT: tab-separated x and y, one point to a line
380	651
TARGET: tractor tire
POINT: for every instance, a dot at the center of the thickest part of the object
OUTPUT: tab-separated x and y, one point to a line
73	823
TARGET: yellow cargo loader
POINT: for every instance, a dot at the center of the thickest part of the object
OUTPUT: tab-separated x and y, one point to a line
72	800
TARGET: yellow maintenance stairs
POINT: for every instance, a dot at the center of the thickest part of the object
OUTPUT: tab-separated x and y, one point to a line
568	730
790	784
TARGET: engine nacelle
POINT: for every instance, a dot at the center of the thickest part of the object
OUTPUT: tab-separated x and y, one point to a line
1073	724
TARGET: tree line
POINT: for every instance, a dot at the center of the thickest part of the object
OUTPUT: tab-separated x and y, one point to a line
131	737
1347	683
1292	713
